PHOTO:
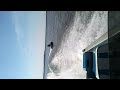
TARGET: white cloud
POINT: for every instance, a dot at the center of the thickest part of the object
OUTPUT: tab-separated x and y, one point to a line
30	34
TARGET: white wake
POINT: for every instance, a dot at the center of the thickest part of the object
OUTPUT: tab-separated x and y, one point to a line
86	28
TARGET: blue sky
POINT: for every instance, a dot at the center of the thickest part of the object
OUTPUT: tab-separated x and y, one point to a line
22	44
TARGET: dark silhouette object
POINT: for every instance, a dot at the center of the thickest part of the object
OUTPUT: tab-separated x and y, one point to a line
89	65
83	50
51	45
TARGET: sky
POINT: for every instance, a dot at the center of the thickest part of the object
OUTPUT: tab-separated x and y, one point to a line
22	44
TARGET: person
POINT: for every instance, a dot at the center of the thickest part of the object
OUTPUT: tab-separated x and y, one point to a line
51	45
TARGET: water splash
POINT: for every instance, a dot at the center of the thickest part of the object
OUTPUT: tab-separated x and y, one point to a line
86	28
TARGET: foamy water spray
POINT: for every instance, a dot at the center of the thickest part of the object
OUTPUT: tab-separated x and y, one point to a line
86	28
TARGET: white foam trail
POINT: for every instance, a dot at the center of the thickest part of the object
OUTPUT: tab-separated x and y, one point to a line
48	64
67	62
